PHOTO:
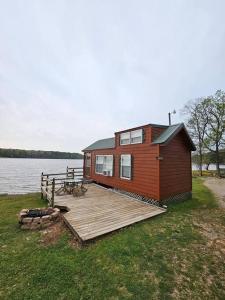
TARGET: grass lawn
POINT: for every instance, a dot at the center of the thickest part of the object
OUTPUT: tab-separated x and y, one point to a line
178	255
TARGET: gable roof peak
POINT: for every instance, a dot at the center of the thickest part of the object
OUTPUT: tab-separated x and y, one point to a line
170	132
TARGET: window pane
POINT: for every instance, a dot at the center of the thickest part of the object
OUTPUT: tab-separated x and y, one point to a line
125	138
125	166
100	159
99	168
136	136
104	163
108	165
136	140
126	171
126	160
125	135
99	164
87	160
136	133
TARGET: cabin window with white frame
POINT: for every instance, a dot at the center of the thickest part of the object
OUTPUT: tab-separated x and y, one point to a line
87	164
136	136
87	160
131	137
104	165
125	138
125	166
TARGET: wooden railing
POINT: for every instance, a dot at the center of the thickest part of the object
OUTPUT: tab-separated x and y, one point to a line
50	181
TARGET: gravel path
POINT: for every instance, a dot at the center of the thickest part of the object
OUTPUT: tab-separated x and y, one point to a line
217	186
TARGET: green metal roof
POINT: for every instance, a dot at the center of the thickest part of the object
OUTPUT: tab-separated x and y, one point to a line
163	138
102	144
170	132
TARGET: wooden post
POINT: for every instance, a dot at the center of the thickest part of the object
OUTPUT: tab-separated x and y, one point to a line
47	183
41	185
67	172
53	191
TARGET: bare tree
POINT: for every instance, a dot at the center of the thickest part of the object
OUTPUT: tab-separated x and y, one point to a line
215	111
197	122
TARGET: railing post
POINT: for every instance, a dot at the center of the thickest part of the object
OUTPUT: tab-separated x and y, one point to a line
42	185
67	172
53	191
47	183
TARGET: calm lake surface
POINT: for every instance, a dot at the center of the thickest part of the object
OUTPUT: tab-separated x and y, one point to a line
23	175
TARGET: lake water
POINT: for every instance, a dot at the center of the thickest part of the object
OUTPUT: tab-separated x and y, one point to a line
23	175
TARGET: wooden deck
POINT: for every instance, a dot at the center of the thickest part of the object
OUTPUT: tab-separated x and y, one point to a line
102	211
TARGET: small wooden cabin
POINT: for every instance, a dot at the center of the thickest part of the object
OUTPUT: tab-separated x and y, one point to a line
150	161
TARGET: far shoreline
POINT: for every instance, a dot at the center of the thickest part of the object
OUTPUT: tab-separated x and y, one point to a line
43	158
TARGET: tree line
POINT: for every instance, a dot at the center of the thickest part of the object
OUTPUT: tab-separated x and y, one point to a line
209	158
206	124
18	153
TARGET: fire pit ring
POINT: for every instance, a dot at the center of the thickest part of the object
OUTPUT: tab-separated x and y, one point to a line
38	218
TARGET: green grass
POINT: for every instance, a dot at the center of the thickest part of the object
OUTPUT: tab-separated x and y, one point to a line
166	257
205	173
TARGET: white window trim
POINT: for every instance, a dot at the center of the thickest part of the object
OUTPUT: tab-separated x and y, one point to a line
121	139
90	160
141	136
89	153
130	143
111	155
126	178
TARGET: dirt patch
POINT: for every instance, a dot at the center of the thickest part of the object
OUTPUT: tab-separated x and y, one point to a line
215	235
51	235
207	230
74	243
217	186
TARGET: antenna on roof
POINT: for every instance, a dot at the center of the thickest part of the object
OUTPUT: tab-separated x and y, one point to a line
169	115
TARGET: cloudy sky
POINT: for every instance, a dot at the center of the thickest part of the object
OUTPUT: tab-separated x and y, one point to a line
75	71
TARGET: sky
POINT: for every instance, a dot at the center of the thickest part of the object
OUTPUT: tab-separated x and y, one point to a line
72	72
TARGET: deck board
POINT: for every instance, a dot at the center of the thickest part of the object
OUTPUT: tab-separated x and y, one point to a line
102	211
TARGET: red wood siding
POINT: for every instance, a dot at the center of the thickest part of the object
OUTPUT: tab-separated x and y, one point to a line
145	178
156	131
175	168
153	178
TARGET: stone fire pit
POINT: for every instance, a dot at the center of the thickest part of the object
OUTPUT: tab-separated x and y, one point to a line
38	218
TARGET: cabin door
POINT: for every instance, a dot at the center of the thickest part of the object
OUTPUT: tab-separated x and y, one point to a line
87	164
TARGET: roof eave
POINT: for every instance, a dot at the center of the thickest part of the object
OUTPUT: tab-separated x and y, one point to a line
89	150
193	148
142	126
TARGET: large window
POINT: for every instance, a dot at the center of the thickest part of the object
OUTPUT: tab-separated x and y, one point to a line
131	137
104	165
125	166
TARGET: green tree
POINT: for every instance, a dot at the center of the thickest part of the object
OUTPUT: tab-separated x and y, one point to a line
215	111
197	124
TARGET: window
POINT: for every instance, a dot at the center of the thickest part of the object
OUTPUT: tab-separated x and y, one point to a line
87	160
87	164
104	165
125	138
125	166
136	136
131	137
